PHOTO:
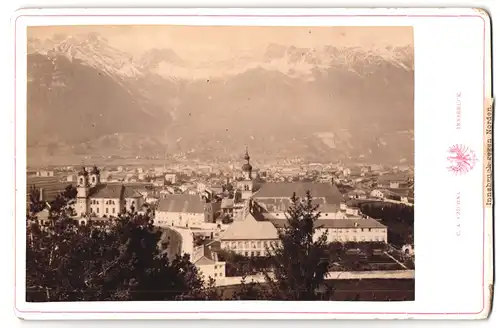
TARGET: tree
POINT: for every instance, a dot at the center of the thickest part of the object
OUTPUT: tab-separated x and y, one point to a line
248	291
118	261
299	258
59	206
210	291
35	205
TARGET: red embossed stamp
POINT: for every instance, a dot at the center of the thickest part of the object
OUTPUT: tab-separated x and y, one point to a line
462	159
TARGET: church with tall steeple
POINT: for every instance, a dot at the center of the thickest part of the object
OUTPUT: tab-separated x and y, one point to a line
247	185
103	200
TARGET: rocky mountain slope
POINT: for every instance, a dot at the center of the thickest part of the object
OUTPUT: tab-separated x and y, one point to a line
86	97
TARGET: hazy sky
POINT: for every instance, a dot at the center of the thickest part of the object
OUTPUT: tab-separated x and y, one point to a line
192	41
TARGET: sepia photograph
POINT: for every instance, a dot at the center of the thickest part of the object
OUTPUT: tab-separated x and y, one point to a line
224	163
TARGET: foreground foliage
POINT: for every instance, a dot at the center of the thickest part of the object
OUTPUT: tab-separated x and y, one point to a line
122	261
118	262
299	264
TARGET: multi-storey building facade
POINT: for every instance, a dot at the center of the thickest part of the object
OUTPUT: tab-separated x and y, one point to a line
103	200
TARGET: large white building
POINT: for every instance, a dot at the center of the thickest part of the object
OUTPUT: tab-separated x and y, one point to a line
103	200
249	236
182	210
348	230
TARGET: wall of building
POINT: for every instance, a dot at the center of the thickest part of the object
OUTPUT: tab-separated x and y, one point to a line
324	215
105	206
179	219
81	206
247	247
354	234
217	271
136	202
377	194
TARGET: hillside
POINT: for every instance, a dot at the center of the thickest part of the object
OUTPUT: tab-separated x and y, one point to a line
86	97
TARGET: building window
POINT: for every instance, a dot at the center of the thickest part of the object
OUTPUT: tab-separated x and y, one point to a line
258	253
91	210
354	238
113	210
106	210
362	229
97	210
369	229
246	253
251	253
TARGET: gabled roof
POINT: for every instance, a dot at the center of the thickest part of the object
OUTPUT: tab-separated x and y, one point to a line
113	190
286	190
250	229
107	191
131	193
337	223
204	261
181	203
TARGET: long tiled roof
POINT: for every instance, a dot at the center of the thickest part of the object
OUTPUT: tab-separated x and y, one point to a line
181	203
129	192
286	190
52	186
107	191
282	204
404	192
337	223
396	177
115	190
204	261
250	229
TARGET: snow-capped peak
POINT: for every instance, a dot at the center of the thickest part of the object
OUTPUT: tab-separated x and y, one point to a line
91	49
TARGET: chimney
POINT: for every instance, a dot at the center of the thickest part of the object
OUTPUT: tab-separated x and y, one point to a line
40	194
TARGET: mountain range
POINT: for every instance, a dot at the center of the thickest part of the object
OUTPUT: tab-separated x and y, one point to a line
86	97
